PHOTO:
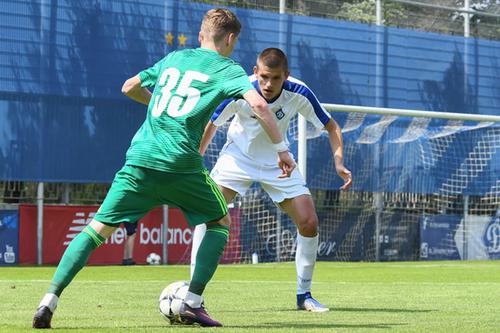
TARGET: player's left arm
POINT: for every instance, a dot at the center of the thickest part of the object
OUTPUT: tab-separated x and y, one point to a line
132	89
312	110
208	135
336	143
222	113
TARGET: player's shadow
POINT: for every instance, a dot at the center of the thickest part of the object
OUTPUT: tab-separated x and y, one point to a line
309	326
389	310
288	325
127	328
382	310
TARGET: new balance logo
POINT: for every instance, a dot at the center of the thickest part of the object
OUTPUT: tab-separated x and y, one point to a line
79	222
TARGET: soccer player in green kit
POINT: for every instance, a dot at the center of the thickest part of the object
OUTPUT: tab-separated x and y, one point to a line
163	165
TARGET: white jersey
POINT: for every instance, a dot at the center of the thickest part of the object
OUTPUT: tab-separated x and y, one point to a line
247	134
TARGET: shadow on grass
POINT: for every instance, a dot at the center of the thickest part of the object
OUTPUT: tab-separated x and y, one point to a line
288	325
380	310
334	310
129	328
309	326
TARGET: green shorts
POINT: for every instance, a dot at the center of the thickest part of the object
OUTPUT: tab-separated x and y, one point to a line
136	190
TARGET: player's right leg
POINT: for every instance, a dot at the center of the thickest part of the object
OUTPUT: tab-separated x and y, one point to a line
232	176
129	198
207	259
201	201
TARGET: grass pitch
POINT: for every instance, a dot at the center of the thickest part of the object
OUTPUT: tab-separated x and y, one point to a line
363	297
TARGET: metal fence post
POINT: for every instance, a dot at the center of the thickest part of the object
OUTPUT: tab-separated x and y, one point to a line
464	229
39	206
165	235
378	201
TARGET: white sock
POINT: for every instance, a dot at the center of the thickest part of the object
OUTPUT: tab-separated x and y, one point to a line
198	234
193	300
305	258
49	300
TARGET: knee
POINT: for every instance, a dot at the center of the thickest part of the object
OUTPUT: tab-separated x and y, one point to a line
102	229
308	227
225	221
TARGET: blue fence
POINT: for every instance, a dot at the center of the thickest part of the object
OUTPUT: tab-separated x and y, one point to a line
62	64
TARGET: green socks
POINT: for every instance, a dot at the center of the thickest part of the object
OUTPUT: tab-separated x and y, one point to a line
76	255
74	258
209	254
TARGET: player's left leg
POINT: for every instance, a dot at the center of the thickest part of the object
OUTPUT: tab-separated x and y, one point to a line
201	229
302	212
129	198
73	260
295	199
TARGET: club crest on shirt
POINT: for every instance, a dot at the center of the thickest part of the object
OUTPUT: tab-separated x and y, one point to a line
280	114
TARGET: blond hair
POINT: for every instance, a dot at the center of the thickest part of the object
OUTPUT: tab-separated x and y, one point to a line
219	22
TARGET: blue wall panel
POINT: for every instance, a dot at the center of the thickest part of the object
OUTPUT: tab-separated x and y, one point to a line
62	64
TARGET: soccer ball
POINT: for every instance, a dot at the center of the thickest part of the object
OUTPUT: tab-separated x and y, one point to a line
153	259
171	299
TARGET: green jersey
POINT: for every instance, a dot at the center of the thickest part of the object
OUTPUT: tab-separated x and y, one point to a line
188	86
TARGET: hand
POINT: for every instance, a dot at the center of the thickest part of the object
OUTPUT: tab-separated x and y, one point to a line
286	164
346	175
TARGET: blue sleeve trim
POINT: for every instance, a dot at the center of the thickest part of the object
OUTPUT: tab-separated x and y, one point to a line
220	108
255	84
307	93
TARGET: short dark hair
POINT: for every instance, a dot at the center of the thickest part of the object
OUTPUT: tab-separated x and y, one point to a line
273	58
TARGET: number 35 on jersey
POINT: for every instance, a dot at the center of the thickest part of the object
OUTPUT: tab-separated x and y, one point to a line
172	101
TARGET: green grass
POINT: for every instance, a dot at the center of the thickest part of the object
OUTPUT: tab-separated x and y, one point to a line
364	297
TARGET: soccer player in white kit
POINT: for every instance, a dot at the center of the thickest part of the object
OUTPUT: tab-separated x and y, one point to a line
249	156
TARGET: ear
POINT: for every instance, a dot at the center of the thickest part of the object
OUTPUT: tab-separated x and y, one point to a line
287	74
200	37
255	70
230	38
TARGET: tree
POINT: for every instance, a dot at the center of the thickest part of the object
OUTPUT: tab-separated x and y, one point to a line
395	14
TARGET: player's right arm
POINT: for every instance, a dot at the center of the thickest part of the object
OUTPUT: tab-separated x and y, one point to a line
266	119
132	89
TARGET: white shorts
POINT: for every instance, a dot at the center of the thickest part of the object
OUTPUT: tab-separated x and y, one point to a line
238	172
